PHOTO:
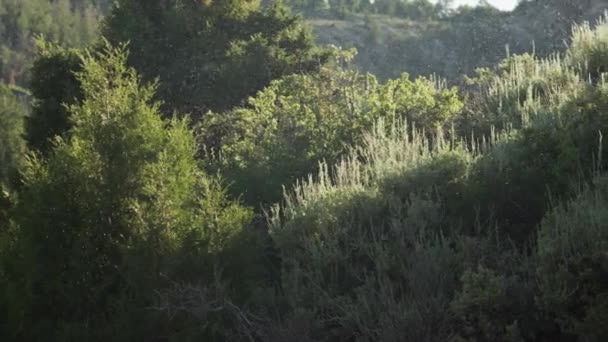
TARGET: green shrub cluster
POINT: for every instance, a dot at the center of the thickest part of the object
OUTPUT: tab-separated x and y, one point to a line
410	211
118	210
436	239
300	120
411	9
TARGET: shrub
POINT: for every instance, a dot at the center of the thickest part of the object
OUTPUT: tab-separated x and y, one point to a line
366	249
301	120
589	49
572	263
114	213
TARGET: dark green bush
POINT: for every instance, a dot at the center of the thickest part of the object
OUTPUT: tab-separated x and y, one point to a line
13	112
572	263
54	86
212	55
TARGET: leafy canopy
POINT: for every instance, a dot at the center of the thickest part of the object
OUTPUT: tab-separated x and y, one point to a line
300	120
211	54
12	145
103	219
67	22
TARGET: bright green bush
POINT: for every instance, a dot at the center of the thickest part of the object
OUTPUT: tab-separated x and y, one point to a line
113	214
301	120
350	237
409	229
589	49
517	91
523	89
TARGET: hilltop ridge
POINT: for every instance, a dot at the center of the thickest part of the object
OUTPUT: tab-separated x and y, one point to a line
458	44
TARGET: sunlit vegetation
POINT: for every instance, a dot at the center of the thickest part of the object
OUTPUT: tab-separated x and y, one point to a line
203	171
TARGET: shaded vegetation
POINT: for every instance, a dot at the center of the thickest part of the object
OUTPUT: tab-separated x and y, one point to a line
202	48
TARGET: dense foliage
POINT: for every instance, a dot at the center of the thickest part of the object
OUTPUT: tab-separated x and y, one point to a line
315	203
435	239
54	87
68	22
300	120
12	146
457	41
203	48
411	9
112	214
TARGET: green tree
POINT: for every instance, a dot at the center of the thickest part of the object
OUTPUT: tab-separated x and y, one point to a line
12	145
103	220
12	157
54	86
22	20
212	54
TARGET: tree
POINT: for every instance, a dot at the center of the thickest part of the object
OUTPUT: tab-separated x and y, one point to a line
54	86
573	264
105	220
212	55
12	145
12	153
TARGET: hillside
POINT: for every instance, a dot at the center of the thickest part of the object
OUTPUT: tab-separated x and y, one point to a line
466	40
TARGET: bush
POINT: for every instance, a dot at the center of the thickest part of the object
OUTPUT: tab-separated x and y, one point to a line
301	120
521	89
349	238
365	257
572	263
114	213
421	236
412	233
589	49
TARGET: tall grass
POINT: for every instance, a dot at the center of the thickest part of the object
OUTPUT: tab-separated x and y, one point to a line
363	244
524	88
